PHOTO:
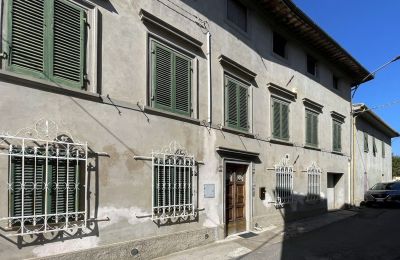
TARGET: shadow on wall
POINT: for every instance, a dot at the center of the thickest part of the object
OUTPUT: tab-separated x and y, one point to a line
72	232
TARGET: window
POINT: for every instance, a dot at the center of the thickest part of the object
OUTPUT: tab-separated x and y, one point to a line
335	82
366	148
311	128
47	180
284	182
311	65
280	119
171	80
374	149
236	104
173	185
237	14
30	199
314	182
383	149
337	136
279	45
47	40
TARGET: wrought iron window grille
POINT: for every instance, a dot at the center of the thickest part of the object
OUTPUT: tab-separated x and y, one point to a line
47	180
313	182
174	182
283	182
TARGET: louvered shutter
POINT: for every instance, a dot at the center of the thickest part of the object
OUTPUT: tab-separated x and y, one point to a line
366	148
59	195
162	77
339	137
27	35
243	108
334	136
285	121
68	43
231	104
313	129
383	150
276	114
182	85
308	128
33	194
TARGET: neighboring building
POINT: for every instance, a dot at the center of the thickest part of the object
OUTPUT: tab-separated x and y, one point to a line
114	141
373	150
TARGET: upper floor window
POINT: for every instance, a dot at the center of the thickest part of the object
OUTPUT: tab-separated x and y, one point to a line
366	148
171	75
383	149
311	128
47	40
374	148
337	136
312	65
280	119
335	82
279	45
236	104
237	14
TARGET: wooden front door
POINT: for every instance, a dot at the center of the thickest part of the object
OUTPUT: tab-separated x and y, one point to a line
235	207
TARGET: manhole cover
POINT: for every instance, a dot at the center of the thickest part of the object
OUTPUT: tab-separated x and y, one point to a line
248	235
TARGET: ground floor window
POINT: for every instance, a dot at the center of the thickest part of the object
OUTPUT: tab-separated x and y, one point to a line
284	182
314	182
47	181
173	191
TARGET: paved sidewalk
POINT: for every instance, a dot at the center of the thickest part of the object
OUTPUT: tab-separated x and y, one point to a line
236	246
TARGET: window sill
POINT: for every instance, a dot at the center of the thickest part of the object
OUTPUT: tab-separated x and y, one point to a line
312	147
282	142
23	80
159	112
237	131
337	152
283	59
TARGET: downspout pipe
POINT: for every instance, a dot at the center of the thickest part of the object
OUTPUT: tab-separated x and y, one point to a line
209	118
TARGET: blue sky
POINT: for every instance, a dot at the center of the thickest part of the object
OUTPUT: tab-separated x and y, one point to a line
370	31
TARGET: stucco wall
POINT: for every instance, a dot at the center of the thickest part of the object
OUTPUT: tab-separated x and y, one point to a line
120	186
370	168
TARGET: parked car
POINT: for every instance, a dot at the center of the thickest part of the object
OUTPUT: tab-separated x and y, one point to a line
383	193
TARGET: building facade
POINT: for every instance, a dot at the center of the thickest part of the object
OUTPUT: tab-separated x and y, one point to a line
373	151
138	128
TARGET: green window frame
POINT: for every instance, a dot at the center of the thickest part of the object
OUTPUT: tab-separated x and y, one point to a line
383	149
280	119
236	104
34	197
337	136
366	145
171	80
311	128
374	148
46	40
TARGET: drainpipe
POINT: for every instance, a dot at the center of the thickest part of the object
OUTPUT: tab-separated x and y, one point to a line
209	76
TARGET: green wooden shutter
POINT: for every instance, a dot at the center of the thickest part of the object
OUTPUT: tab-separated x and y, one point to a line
308	128
27	35
231	104
243	108
334	136
59	196
366	148
276	115
285	121
162	77
68	43
182	68
374	149
315	130
33	198
339	137
383	150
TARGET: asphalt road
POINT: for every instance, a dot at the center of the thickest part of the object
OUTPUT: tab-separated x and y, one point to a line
372	234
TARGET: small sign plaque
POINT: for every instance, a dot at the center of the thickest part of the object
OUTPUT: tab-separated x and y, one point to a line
209	190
